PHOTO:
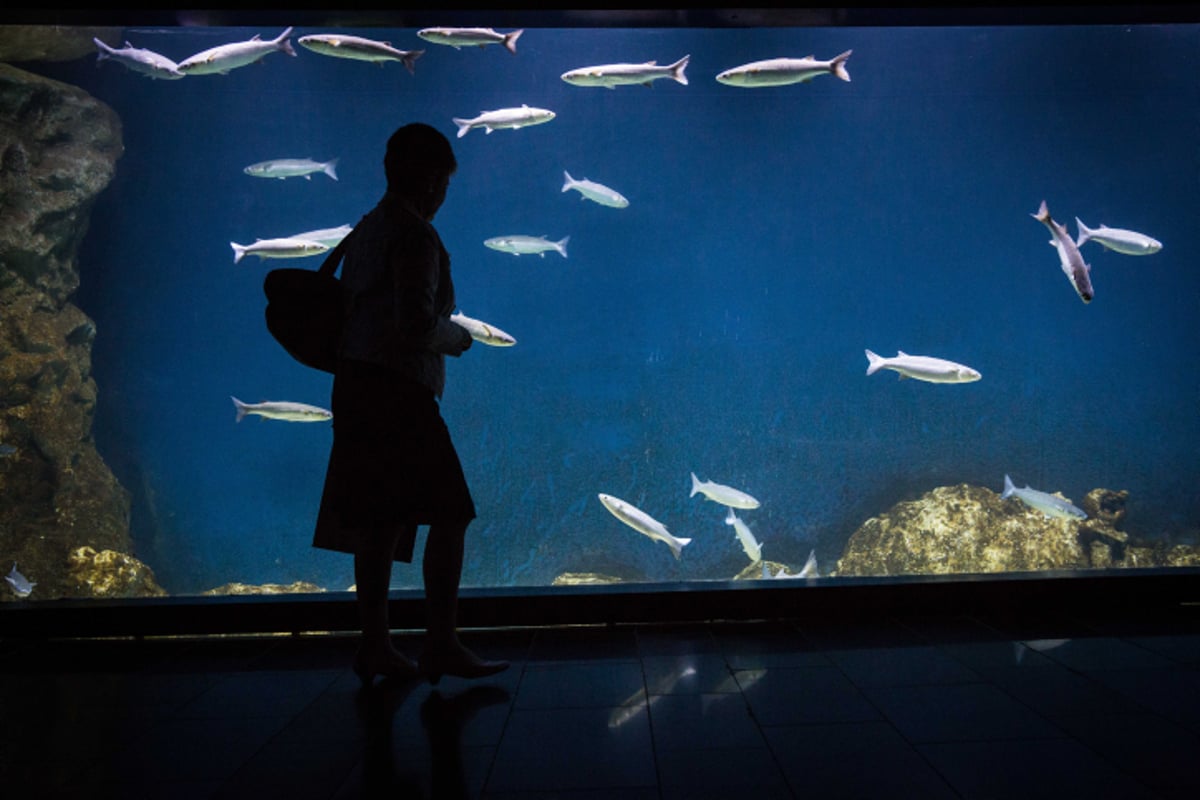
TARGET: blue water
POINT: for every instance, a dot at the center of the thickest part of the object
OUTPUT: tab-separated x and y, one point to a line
717	325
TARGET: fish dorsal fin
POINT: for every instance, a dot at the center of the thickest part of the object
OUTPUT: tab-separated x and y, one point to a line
812	57
651	63
901	354
256	38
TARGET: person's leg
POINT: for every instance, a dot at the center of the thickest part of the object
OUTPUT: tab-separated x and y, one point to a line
442	568
373	575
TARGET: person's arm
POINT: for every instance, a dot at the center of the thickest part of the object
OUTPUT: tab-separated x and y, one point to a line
416	268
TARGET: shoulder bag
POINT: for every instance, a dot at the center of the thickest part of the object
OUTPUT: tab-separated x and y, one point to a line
304	310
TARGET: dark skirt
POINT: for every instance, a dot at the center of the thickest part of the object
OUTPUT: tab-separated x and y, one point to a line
392	463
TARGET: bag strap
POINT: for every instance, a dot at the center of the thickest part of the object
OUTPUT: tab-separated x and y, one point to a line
330	264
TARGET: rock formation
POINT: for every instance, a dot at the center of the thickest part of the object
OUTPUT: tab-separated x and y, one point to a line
58	150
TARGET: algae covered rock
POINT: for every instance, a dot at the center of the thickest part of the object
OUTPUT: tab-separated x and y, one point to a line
107	573
962	529
297	587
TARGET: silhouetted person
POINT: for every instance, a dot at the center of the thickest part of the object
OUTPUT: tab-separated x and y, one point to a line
393	466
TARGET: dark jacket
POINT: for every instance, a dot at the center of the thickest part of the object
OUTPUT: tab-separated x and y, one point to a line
399	296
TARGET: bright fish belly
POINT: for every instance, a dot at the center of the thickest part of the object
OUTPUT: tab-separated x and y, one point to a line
922	368
483	332
326	236
784	71
613	75
357	48
292	168
277	248
643	523
1050	505
471	37
596	192
220	60
281	410
519	245
725	495
1130	243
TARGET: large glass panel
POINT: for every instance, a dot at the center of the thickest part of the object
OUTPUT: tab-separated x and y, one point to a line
713	334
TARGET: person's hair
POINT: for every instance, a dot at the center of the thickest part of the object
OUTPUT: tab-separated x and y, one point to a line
416	155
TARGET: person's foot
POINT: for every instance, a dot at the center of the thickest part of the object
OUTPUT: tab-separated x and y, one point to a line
388	664
457	661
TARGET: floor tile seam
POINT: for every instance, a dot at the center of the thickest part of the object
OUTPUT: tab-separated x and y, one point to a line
654	753
504	729
336	675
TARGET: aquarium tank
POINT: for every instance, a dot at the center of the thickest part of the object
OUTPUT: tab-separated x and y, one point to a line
755	302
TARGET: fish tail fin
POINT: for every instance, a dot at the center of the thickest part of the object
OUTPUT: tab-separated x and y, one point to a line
731	517
410	59
677	70
330	168
838	64
285	44
241	408
695	485
238	251
874	362
1008	488
561	246
677	547
510	41
463	126
1085	232
568	181
1043	213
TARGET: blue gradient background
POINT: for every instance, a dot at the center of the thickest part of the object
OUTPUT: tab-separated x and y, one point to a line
716	325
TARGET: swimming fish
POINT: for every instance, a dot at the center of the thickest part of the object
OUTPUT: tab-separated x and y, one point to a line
782	71
7	450
725	495
512	118
292	168
923	368
278	248
809	570
482	332
613	75
1048	504
596	192
19	583
326	236
526	245
1131	243
238	54
359	49
643	523
140	60
282	410
1068	255
471	37
752	546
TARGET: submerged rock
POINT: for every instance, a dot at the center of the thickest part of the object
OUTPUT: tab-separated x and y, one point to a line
299	587
584	579
962	529
107	573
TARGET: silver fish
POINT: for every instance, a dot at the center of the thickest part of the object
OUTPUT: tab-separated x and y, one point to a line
139	60
511	118
596	192
613	75
783	71
1048	504
471	37
643	523
1069	258
330	237
524	245
359	49
19	583
1119	240
292	168
220	60
483	332
281	410
278	248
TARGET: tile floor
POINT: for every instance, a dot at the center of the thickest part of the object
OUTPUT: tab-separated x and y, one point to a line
921	708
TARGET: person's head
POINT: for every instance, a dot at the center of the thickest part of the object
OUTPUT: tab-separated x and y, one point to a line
418	164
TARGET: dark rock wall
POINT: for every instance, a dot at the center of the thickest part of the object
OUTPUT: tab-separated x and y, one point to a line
58	150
